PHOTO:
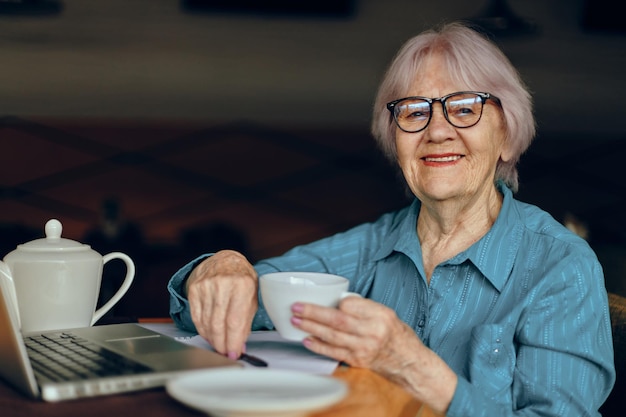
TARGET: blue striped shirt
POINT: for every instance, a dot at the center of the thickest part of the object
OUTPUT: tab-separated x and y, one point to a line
521	316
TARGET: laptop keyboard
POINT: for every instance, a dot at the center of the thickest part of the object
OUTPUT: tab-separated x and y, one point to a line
64	357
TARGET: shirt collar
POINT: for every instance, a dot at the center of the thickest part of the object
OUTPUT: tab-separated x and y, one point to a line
402	236
494	254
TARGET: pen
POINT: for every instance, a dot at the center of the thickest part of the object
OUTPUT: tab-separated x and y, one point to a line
253	360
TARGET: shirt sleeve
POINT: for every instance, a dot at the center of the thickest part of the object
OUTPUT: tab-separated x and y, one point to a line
564	352
179	306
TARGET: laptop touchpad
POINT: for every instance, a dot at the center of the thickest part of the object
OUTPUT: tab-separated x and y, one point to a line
144	345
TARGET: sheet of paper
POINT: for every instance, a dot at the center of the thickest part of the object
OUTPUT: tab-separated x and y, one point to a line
279	353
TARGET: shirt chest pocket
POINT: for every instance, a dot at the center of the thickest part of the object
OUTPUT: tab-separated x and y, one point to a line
492	360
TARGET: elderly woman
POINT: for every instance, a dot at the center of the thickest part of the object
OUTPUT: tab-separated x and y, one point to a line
476	303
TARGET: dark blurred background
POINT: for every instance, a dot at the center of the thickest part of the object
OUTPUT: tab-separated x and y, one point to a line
169	128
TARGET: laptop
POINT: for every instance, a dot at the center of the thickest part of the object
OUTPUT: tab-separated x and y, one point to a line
93	361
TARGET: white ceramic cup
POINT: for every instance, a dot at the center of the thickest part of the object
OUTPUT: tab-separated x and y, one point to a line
280	290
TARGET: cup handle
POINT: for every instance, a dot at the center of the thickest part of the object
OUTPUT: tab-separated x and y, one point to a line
128	280
350	294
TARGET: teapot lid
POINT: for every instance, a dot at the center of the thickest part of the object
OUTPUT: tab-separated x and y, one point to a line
53	240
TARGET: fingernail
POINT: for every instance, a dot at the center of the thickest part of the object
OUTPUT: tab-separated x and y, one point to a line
307	342
232	355
296	321
297	308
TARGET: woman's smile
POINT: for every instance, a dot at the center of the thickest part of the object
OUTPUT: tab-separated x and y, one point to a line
441	159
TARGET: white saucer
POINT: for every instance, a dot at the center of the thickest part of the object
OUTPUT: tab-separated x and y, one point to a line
238	392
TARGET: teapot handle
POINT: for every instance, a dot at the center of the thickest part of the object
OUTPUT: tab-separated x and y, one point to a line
7	286
128	280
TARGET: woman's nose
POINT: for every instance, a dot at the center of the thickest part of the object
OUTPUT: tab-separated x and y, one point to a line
439	127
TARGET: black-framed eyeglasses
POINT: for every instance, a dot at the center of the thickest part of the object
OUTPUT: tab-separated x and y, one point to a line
461	109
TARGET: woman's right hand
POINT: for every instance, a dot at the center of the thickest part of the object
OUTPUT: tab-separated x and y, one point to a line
222	293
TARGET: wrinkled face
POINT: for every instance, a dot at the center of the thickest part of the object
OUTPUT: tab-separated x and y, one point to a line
443	162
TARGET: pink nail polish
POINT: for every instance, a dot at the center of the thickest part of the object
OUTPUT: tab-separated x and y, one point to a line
232	355
296	321
297	308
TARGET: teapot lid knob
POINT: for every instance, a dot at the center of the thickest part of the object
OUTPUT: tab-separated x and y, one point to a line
53	229
52	243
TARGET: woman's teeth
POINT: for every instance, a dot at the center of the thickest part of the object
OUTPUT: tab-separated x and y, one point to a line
443	158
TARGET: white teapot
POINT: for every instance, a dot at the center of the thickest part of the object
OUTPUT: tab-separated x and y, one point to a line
54	282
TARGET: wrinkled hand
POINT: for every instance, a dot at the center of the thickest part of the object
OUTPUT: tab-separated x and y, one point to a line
360	332
363	333
222	294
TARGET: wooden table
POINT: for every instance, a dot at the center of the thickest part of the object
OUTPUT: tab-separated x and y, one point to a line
370	396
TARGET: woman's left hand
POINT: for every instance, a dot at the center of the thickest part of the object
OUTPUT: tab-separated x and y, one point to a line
366	334
360	332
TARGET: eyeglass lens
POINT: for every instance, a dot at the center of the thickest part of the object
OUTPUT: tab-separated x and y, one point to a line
461	110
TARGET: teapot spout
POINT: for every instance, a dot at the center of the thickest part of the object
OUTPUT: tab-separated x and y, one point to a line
7	287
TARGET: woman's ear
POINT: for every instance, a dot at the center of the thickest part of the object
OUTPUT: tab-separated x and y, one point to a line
507	151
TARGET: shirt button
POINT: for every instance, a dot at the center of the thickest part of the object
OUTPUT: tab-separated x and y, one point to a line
421	323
